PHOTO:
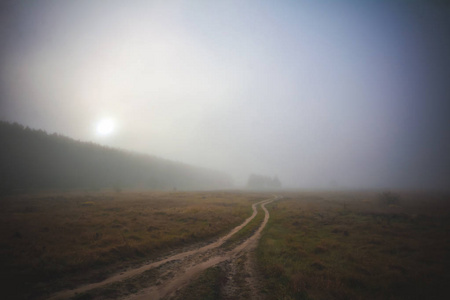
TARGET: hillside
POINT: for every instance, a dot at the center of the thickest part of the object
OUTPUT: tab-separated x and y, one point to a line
35	160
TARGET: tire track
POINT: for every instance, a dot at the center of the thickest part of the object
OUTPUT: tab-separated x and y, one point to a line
193	269
196	260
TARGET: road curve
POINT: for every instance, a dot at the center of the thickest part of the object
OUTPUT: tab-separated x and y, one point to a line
66	294
192	269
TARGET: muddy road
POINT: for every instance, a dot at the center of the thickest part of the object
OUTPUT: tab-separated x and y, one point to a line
178	270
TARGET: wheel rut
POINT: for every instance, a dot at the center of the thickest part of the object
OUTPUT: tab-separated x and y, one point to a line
185	266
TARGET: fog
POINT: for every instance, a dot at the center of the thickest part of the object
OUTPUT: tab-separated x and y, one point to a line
318	93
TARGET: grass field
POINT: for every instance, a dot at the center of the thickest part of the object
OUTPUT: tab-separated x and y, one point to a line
208	286
356	246
58	240
246	231
317	245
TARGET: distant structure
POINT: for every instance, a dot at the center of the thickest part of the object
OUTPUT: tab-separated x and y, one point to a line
261	182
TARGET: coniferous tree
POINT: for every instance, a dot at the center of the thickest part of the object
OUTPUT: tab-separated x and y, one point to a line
33	159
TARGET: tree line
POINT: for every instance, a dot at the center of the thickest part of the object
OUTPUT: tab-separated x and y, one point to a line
35	160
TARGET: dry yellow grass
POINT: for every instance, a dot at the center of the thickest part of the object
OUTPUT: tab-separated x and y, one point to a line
47	238
354	246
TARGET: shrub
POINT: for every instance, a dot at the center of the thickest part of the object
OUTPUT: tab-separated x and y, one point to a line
389	198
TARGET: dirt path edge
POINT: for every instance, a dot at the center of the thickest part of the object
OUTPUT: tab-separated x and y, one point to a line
67	294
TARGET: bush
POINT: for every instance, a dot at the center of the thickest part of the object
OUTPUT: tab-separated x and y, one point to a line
389	198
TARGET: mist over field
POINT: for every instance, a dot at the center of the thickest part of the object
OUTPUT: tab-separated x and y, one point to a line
320	94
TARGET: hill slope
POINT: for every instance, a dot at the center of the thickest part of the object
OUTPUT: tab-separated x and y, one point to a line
33	159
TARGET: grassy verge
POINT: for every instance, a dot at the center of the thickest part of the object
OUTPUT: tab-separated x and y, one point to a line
60	240
124	288
349	246
245	232
206	287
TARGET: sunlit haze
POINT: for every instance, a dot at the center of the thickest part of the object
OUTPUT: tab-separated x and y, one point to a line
322	94
105	127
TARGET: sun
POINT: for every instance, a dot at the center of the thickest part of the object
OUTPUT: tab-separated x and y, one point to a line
105	127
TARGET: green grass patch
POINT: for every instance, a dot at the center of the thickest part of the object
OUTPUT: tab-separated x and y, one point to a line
247	231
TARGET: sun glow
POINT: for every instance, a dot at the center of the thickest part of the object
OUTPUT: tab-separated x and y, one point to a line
105	127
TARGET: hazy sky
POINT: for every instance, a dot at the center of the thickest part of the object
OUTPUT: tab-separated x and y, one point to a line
320	93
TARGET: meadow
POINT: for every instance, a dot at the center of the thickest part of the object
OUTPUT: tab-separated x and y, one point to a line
356	245
316	245
52	241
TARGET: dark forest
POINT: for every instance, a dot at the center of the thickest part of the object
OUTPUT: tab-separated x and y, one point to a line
36	160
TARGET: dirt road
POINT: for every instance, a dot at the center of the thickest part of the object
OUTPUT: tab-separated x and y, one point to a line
187	265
